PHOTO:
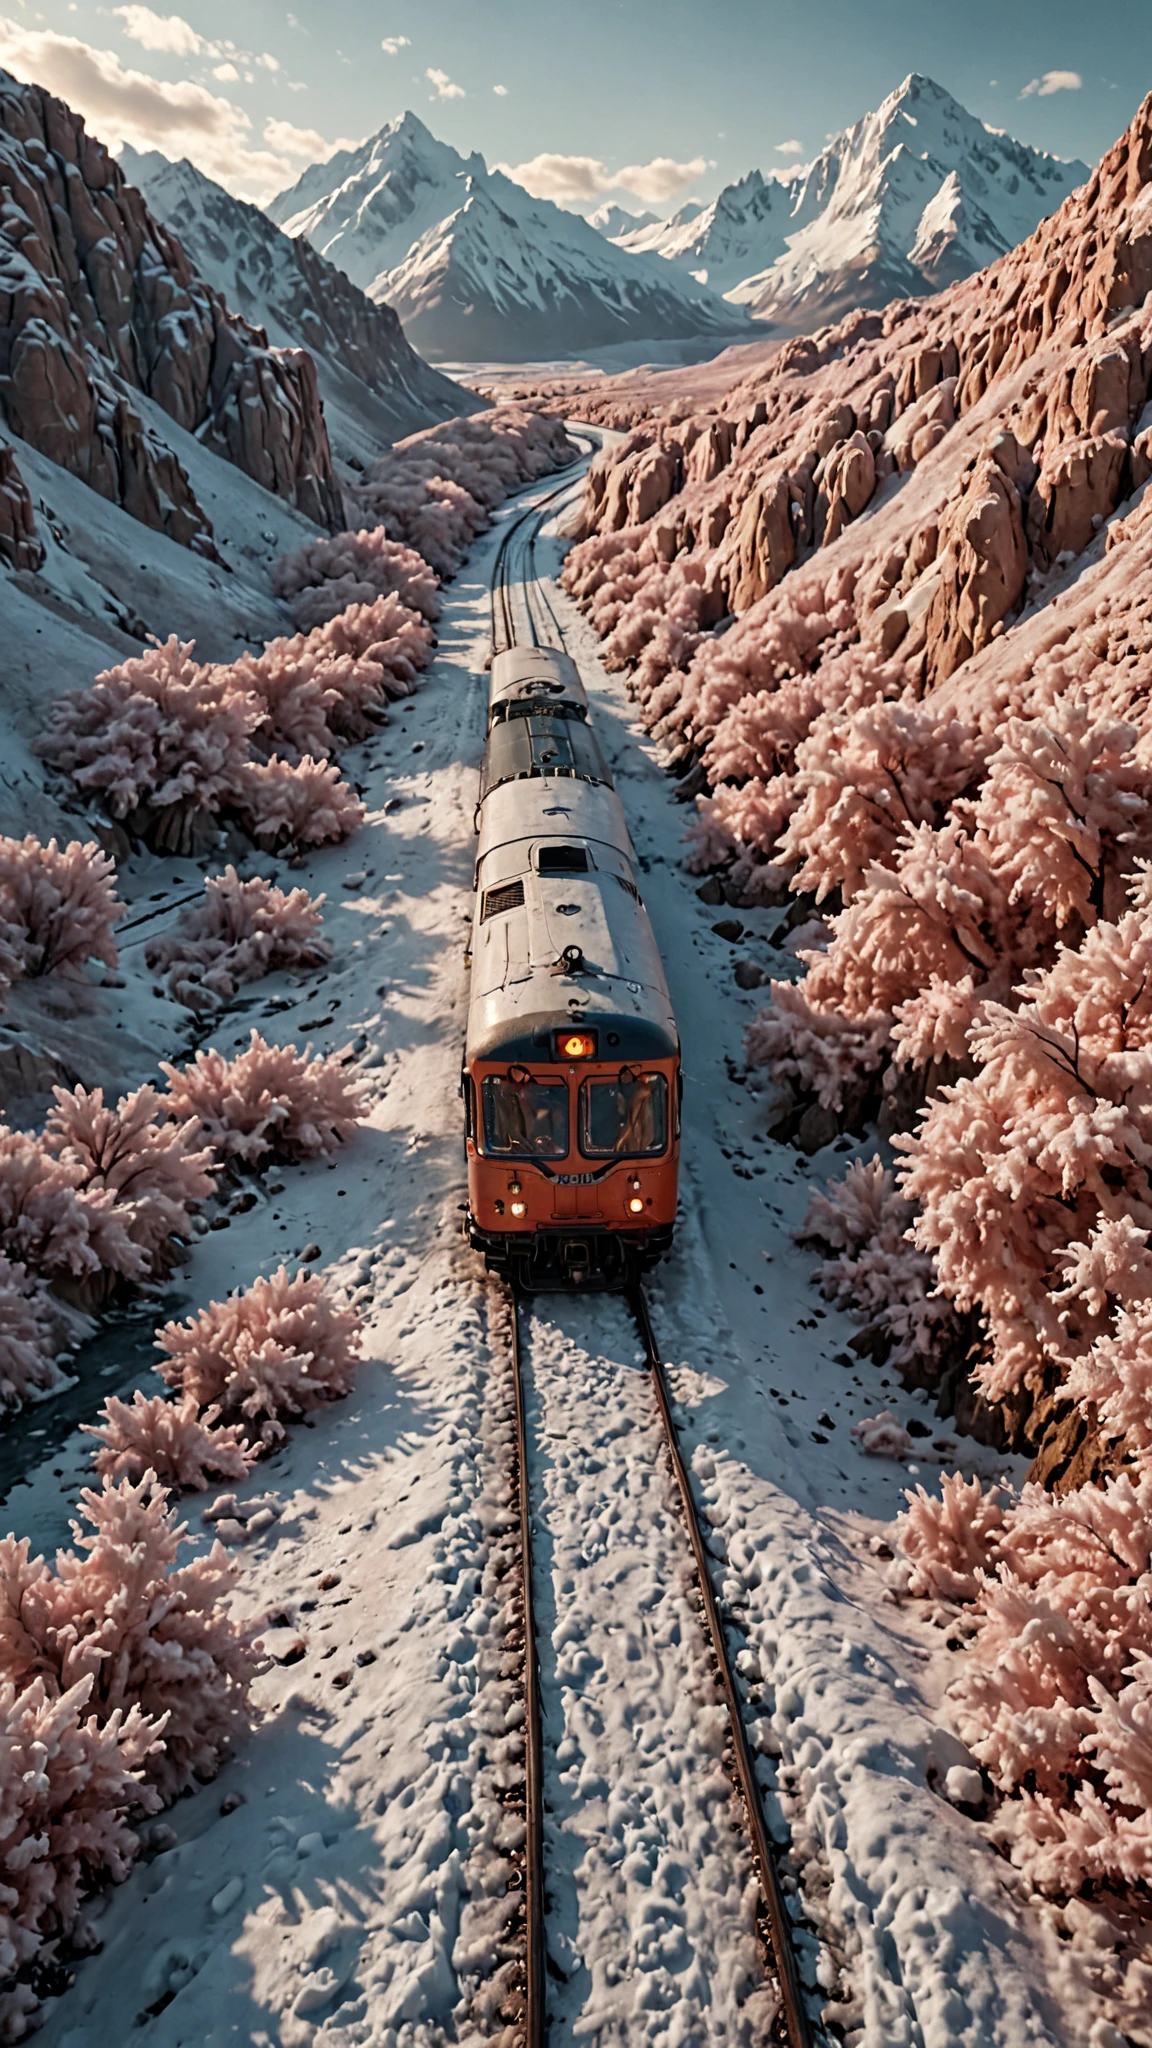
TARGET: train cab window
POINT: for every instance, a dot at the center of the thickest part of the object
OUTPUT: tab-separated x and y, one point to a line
625	1118
524	1118
562	860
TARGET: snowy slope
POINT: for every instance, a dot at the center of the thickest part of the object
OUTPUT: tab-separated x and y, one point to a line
475	267
375	387
616	221
344	1882
915	195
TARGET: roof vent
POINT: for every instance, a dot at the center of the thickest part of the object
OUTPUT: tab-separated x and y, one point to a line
506	896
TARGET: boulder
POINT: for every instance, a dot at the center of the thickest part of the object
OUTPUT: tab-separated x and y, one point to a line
760	546
981	566
846	486
1078	486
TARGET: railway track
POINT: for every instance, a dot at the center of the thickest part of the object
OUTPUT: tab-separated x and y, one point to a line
791	2027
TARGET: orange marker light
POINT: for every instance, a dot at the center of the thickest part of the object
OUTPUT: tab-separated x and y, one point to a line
577	1045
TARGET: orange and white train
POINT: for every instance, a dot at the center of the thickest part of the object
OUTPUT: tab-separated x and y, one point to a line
571	1081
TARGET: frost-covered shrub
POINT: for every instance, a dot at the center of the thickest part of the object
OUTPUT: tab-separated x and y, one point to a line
436	490
58	907
323	689
877	1270
68	1783
332	572
150	1633
1032	1177
158	738
241	932
296	803
883	1436
1053	1695
48	1224
278	1350
140	1173
268	1102
185	1449
27	1335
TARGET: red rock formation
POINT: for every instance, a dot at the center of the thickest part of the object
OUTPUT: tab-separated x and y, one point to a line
97	300
19	546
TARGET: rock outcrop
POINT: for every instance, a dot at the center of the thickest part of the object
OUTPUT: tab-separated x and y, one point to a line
19	544
98	303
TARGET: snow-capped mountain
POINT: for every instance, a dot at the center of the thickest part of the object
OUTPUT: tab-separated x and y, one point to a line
615	221
915	195
475	267
374	386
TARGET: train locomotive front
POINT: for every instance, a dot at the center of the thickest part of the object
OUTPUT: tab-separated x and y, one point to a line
571	1077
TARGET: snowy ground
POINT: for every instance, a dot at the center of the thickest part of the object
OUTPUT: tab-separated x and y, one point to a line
358	1891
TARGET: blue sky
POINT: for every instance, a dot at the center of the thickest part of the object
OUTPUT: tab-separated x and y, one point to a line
648	101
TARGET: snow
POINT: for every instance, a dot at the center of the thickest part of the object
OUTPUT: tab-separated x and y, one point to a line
914	195
474	265
344	1880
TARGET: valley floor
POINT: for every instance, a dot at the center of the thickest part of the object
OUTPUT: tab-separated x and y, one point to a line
340	1883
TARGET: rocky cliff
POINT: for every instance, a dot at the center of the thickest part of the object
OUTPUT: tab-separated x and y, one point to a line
100	306
375	387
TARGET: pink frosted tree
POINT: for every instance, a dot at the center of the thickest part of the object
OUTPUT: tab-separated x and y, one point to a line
134	1167
878	1270
278	1350
436	490
58	906
27	1335
186	1449
49	1225
323	689
159	739
147	1632
332	572
1025	1172
269	1102
301	803
241	932
68	1784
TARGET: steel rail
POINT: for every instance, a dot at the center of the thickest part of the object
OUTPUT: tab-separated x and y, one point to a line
534	1956
799	2031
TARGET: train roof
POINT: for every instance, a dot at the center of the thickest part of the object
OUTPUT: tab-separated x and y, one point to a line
555	949
550	808
542	674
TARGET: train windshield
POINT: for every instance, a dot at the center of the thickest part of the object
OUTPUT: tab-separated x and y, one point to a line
626	1118
525	1119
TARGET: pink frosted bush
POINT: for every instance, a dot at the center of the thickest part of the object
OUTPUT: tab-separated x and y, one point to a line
27	1335
67	1786
184	1448
269	1102
332	572
49	1225
241	932
1053	1694
157	738
303	803
435	490
280	1349
878	1271
136	1169
325	688
147	1632
57	907
820	1050
949	1540
1021	1170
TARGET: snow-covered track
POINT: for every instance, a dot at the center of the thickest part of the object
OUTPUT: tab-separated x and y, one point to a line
706	1673
507	575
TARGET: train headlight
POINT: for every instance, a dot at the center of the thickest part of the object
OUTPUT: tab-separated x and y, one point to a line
519	1208
636	1206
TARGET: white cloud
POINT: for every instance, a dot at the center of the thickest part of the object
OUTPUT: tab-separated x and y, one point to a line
445	89
226	72
307	142
160	31
574	179
391	45
178	117
501	91
268	62
1052	81
792	148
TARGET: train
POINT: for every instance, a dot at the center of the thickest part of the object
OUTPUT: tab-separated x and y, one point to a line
571	1081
